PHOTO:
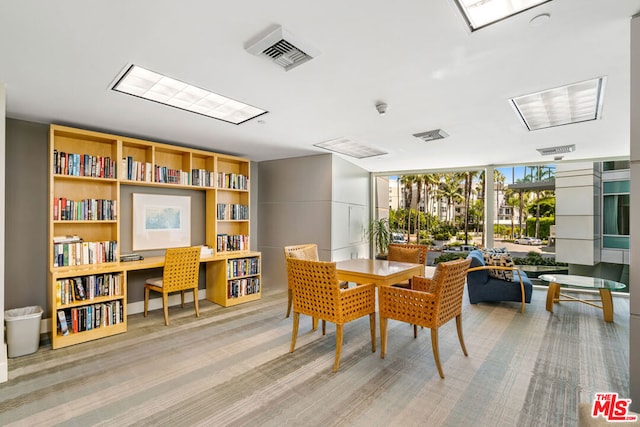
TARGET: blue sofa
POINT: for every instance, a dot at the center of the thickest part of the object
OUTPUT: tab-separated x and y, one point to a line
484	288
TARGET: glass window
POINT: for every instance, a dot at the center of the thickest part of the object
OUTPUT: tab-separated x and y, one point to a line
615	165
616	214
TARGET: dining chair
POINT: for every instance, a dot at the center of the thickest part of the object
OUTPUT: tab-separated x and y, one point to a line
181	269
317	293
429	303
407	252
307	251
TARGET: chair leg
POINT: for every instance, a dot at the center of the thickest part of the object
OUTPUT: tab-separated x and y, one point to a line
182	298
460	337
146	300
339	334
383	336
314	323
415	331
289	302
195	301
324	327
294	334
372	326
165	307
436	353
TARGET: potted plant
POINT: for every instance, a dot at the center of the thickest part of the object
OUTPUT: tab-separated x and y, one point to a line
380	234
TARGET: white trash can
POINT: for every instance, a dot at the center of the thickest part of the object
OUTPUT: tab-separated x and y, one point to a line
23	330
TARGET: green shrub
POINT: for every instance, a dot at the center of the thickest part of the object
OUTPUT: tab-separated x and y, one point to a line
450	256
534	258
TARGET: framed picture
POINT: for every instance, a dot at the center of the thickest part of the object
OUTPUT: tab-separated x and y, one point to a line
161	221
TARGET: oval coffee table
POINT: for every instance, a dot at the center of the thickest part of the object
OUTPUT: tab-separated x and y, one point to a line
604	286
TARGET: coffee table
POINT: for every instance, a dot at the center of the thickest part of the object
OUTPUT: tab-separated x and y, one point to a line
604	286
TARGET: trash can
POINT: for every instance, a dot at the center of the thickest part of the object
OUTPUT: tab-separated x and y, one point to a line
23	330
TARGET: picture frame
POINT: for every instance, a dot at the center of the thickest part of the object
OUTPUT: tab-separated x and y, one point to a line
161	221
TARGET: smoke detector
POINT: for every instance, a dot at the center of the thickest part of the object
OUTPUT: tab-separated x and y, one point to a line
382	108
560	149
282	48
431	135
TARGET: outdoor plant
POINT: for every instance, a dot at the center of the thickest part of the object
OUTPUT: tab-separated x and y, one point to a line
450	256
380	234
534	258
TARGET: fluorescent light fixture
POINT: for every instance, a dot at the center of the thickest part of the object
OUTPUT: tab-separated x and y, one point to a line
575	103
480	13
431	135
146	84
350	148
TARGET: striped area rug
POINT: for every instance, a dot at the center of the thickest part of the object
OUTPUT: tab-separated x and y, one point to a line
232	366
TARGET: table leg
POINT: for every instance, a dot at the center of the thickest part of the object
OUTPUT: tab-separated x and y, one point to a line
607	304
552	294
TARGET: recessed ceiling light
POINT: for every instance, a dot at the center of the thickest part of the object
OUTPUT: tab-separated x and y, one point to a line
146	84
350	148
574	103
480	13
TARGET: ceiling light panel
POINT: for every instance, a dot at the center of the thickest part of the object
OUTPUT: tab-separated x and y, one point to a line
143	83
350	148
431	135
575	103
480	13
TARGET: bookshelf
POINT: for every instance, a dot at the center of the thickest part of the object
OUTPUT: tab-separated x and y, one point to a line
86	170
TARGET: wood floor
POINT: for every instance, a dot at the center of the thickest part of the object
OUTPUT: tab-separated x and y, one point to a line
233	367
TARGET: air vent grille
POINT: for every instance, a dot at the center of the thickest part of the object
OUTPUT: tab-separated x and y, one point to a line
560	149
431	135
281	47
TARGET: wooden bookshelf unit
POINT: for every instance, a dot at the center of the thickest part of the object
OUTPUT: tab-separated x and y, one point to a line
87	282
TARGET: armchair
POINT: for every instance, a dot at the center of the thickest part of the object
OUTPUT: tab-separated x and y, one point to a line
429	303
317	293
484	288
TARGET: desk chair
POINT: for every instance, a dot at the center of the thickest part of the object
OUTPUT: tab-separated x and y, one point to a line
181	269
429	303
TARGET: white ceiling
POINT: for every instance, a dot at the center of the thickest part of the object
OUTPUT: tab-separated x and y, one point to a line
58	60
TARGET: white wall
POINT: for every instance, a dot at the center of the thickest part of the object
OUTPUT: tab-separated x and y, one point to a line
3	347
577	213
634	294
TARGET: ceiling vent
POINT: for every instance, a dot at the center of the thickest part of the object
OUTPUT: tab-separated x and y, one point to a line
560	149
431	135
283	48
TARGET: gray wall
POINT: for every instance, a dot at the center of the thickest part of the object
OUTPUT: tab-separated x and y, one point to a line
320	199
26	215
26	174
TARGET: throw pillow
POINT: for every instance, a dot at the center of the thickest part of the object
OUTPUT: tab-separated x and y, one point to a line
495	250
500	260
400	254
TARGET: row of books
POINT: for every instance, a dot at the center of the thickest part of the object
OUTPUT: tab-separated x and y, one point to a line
242	267
83	165
87	209
232	242
81	253
203	178
88	317
88	287
241	287
170	176
232	180
137	171
232	211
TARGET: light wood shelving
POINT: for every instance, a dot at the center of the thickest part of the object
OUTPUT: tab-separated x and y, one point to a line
224	178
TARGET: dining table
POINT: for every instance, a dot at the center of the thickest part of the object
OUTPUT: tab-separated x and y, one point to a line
377	271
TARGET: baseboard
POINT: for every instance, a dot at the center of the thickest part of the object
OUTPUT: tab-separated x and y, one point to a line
134	308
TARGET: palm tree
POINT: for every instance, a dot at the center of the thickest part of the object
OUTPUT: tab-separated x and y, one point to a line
450	190
513	202
407	190
468	188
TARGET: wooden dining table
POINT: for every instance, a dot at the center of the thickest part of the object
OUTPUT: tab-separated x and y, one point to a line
377	271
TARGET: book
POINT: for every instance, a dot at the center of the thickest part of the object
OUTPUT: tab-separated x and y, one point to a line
62	319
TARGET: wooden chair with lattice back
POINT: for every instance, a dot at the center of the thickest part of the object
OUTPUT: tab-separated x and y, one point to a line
429	303
407	252
181	270
317	293
307	251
